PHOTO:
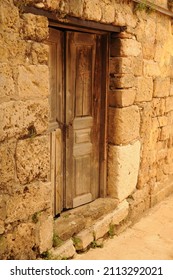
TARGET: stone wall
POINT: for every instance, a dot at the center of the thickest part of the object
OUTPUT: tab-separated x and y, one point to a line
140	115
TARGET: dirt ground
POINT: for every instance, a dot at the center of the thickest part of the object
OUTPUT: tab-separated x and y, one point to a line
151	238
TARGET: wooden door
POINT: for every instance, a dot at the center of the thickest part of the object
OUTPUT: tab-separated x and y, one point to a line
79	109
83	101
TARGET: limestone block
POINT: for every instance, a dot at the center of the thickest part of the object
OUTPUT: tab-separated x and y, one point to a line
38	53
144	89
45	224
2	228
120	213
123	168
108	12
33	81
9	16
7	87
151	68
21	241
28	200
123	125
3	211
16	117
159	106
169	104
163	121
76	7
165	133
125	47
7	163
161	87
3	247
161	190
33	159
92	10
121	65
101	227
138	65
65	251
145	33
35	27
122	97
122	81
171	90
83	239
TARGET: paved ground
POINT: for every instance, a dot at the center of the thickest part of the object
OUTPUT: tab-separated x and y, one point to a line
149	239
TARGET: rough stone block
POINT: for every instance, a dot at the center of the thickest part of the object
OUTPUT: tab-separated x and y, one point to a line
161	87
35	27
122	97
33	159
45	224
65	251
169	104
137	63
122	81
151	68
33	81
84	239
2	227
101	227
159	106
108	12
121	65
123	125
120	213
92	10
123	168
144	89
7	87
21	241
28	200
125	47
39	53
163	121
16	117
3	211
76	7
7	163
161	190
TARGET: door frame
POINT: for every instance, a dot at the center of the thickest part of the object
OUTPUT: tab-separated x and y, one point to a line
103	114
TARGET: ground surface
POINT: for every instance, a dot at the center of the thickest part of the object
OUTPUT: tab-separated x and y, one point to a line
149	239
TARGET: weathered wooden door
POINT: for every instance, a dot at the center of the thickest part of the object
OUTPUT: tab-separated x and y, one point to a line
80	88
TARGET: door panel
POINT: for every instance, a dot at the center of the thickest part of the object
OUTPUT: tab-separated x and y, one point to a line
83	95
77	100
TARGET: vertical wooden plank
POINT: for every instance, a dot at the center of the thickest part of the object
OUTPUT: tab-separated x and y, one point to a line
57	114
52	162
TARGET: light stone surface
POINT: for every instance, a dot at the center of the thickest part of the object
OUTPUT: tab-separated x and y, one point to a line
66	250
28	200
161	87
122	97
123	166
124	125
45	231
25	114
84	239
144	89
33	81
33	159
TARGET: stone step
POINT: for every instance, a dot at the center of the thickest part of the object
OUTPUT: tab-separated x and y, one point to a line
78	229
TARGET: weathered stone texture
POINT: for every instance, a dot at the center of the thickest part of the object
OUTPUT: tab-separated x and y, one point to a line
161	87
24	115
7	85
125	47
34	27
33	81
123	168
45	231
7	163
32	159
123	125
122	97
144	89
28	200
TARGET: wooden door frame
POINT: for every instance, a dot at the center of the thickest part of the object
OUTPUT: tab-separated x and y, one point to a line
104	102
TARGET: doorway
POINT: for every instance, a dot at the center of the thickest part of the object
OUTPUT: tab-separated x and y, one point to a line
78	64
